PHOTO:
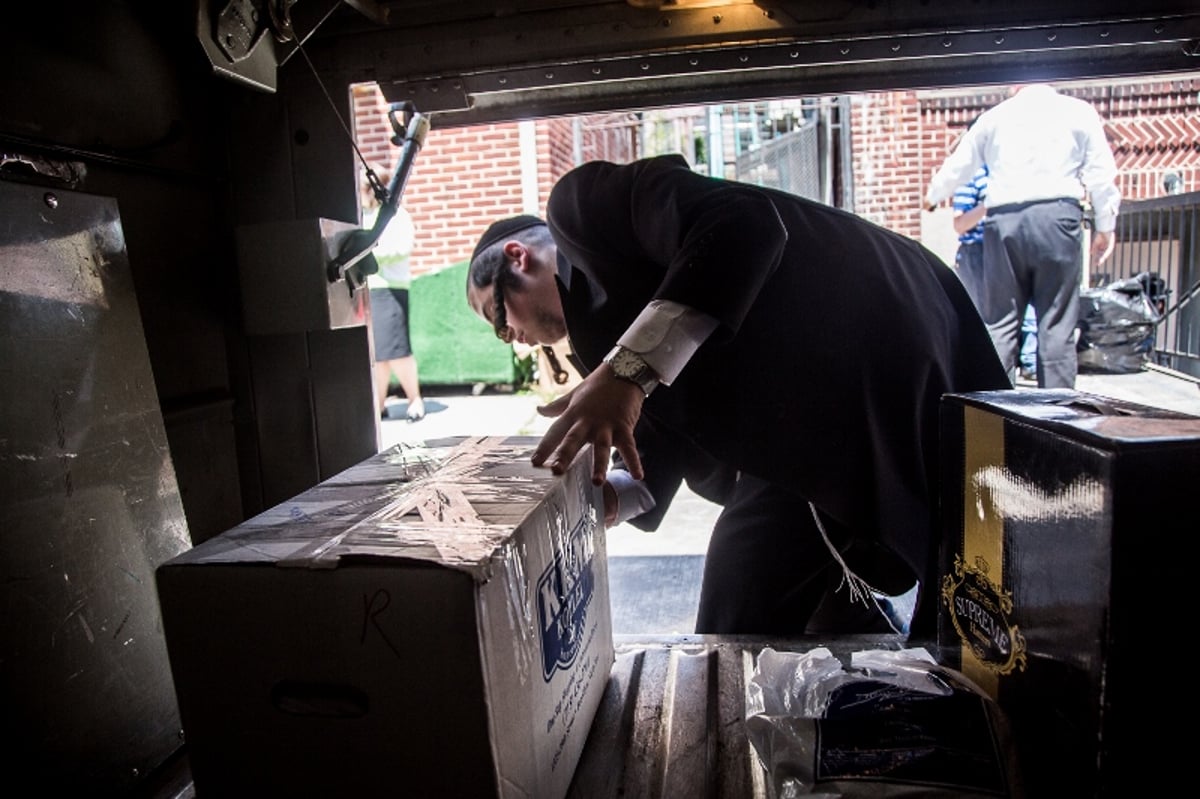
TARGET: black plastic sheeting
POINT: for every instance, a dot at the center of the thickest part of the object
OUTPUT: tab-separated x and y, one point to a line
1116	324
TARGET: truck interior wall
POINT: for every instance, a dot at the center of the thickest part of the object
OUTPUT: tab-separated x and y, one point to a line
120	91
311	392
124	90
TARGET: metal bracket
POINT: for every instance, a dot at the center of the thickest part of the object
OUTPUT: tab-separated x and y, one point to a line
409	128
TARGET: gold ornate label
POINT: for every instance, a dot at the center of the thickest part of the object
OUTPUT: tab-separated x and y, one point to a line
980	611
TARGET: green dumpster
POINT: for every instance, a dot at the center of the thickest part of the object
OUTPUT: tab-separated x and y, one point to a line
451	344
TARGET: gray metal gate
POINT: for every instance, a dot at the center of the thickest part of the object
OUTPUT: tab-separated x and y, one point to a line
1162	237
789	163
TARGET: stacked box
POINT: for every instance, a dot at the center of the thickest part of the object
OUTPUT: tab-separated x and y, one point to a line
432	622
1063	515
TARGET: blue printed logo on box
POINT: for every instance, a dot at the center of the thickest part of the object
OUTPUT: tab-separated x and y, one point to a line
564	594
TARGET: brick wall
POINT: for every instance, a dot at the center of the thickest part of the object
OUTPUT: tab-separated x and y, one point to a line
556	151
1155	130
889	152
901	138
458	184
465	178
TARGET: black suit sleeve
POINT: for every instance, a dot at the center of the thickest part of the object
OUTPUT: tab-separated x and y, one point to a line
664	232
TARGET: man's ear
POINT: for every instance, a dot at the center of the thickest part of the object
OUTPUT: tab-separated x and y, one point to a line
516	251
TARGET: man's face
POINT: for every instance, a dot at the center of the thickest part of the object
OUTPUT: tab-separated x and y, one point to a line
529	291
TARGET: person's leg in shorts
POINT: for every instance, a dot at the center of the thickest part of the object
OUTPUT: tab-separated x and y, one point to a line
393	352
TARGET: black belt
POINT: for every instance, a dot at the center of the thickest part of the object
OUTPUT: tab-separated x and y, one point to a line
1010	207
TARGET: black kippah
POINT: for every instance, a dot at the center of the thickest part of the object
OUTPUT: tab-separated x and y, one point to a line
503	229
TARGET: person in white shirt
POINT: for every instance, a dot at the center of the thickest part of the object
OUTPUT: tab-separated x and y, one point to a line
1046	152
389	288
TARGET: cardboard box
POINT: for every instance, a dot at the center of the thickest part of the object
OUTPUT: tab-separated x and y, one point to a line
1063	514
432	622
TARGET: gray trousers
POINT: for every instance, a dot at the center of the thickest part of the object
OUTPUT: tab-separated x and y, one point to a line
968	262
1032	254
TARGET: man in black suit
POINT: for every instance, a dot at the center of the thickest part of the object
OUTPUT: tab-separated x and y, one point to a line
785	357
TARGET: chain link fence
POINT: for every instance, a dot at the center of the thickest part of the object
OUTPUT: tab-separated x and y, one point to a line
790	163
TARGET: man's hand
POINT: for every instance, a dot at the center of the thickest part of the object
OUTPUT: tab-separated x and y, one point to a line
601	411
1102	246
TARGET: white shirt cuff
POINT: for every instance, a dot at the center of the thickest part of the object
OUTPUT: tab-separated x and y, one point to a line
666	335
633	498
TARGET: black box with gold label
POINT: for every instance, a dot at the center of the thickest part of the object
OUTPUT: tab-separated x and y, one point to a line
1065	516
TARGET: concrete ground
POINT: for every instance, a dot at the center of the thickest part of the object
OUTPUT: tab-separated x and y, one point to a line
654	578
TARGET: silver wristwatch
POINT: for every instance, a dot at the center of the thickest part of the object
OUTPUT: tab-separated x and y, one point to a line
628	365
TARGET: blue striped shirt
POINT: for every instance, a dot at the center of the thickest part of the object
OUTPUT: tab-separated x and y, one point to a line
966	197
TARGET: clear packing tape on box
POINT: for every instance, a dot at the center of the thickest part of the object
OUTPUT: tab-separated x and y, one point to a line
448	501
452	502
893	724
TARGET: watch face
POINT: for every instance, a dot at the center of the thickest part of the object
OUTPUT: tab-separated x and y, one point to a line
628	365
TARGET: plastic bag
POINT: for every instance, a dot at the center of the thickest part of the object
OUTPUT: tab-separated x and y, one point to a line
1116	324
895	724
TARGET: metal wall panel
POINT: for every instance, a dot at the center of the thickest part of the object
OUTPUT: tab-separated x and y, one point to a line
284	428
317	383
90	503
342	397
